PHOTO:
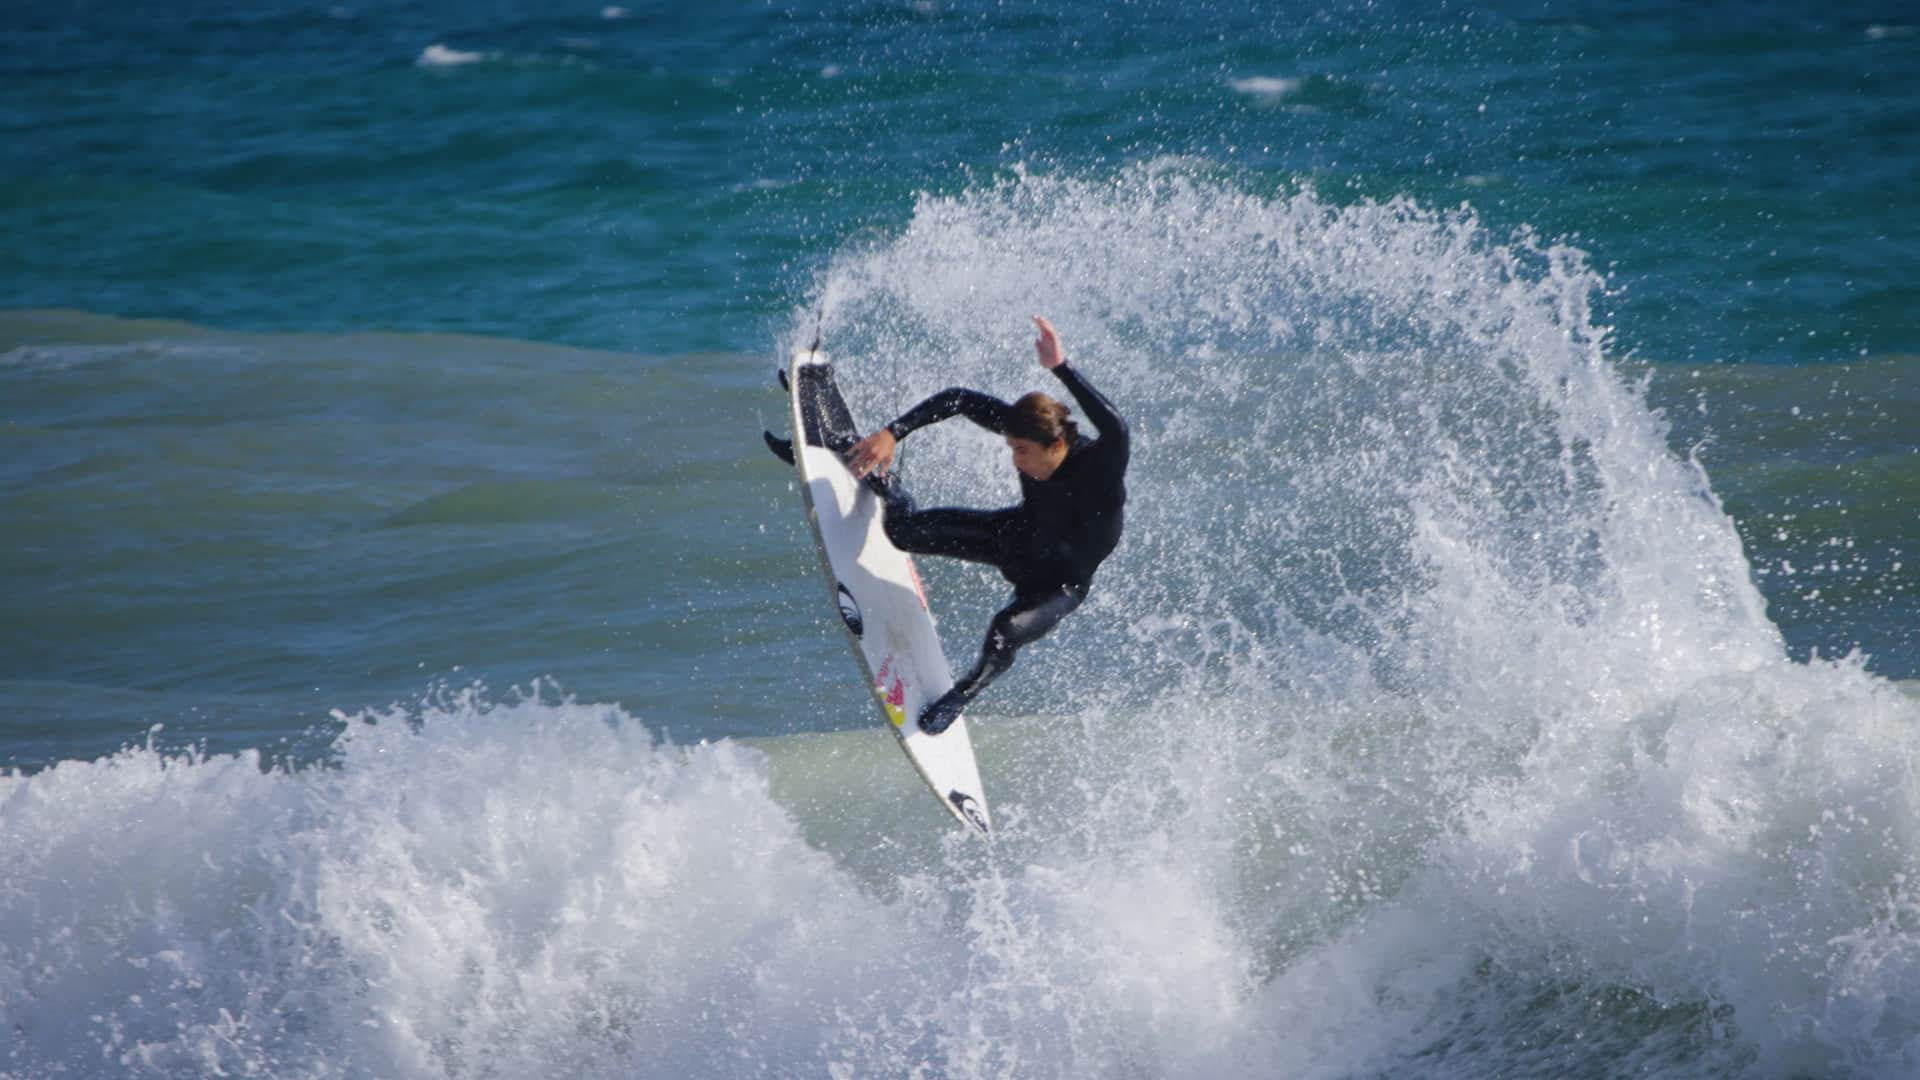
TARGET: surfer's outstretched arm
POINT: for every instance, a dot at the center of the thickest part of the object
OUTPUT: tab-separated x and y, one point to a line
1093	404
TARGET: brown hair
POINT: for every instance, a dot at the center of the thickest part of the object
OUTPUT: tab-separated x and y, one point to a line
1039	418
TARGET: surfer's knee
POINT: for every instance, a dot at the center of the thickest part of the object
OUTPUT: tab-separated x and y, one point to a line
902	527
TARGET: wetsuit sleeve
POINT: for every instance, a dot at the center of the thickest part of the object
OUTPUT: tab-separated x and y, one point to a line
1096	408
983	409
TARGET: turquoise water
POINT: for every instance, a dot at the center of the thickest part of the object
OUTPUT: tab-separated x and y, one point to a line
413	665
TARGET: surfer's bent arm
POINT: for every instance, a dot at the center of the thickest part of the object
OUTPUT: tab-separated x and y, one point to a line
1093	405
983	409
876	450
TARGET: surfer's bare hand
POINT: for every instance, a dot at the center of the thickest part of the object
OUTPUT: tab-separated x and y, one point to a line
1051	354
873	452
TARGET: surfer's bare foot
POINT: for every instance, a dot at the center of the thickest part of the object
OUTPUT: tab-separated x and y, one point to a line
940	715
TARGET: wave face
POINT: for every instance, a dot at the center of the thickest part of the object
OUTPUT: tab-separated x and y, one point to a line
1427	722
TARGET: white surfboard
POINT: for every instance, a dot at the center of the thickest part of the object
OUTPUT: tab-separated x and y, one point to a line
877	592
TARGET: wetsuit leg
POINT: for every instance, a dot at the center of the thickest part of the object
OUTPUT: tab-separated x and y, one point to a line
1021	623
981	536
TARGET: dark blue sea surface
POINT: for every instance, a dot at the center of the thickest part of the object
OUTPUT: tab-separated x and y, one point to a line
665	178
411	663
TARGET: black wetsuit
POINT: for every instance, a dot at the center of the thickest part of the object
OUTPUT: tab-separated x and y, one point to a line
1047	547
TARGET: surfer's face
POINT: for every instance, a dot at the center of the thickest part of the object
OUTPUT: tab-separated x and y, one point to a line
1037	460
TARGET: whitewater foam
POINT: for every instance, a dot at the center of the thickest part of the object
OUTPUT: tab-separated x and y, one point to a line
440	56
1265	87
1500	681
477	888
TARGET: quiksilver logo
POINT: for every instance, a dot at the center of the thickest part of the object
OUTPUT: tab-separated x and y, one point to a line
850	613
969	809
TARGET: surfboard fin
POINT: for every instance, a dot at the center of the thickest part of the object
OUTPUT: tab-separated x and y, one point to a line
782	448
781	374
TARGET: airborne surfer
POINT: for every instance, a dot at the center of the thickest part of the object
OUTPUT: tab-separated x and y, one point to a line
1072	494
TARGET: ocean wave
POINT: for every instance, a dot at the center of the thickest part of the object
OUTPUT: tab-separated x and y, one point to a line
1465	666
544	885
1428	721
533	885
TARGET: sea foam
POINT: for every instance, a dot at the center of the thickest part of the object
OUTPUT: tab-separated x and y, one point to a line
1265	87
516	888
1467	698
439	56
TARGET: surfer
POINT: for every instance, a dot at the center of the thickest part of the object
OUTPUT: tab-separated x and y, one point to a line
1072	491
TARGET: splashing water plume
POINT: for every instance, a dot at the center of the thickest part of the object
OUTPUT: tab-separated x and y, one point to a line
1420	632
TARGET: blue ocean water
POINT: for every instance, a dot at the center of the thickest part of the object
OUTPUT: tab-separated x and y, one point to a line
412	665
